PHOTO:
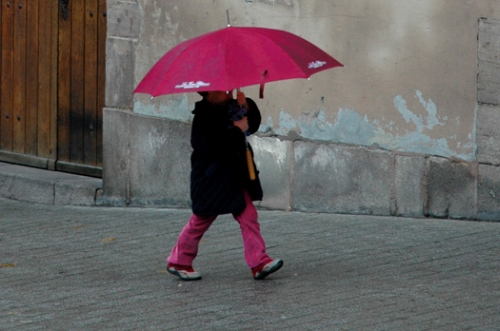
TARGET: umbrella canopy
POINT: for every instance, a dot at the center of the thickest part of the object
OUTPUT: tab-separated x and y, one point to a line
234	57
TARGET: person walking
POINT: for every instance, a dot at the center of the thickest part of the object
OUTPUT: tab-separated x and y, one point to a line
223	181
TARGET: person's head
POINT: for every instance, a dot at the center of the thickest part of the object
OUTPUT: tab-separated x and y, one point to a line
219	98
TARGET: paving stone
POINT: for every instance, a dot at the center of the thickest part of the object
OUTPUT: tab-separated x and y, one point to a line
341	272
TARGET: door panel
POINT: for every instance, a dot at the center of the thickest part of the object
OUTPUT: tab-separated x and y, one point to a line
32	46
81	87
28	98
52	83
19	93
77	86
47	80
90	81
7	69
64	86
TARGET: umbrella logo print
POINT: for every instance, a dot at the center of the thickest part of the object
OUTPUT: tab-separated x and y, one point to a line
316	64
190	85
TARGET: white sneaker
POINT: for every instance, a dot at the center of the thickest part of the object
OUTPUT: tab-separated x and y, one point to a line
267	268
183	272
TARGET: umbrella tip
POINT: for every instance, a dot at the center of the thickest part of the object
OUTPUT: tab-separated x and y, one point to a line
228	21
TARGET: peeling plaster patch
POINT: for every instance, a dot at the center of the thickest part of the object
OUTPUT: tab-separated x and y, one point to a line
286	123
268	126
430	121
352	128
417	142
351	125
431	109
176	109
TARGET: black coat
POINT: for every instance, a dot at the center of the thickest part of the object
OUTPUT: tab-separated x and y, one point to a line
219	172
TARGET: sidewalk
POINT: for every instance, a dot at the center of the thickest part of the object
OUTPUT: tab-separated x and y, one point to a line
100	268
47	187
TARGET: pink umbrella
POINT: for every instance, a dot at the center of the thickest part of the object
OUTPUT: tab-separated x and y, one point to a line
234	57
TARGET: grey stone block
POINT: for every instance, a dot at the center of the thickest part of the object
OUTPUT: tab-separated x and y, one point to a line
489	193
25	184
451	188
115	168
76	192
124	19
273	158
489	61
488	135
120	72
159	161
341	179
47	187
410	189
30	189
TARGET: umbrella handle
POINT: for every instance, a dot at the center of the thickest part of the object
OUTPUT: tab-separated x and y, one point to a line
251	169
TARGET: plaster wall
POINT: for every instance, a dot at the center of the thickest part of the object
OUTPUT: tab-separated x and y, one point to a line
407	100
409	81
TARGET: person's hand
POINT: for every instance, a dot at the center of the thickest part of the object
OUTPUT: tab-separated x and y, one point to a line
241	99
242	124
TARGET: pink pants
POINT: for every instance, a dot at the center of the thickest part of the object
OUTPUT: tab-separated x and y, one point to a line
186	249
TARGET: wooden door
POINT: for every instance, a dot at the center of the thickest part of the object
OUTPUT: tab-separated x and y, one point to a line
52	83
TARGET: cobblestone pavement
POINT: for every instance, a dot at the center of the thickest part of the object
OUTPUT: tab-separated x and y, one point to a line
93	268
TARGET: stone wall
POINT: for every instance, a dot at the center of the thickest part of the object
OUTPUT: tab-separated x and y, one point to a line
146	158
300	175
355	180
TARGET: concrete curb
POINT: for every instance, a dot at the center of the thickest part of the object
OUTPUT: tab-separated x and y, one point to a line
48	187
